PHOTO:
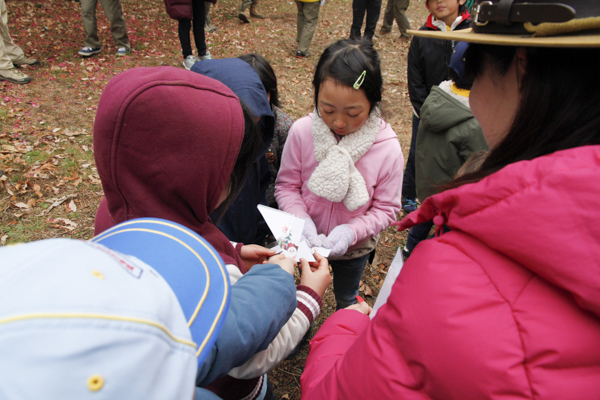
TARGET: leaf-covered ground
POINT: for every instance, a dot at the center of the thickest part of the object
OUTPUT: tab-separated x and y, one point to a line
49	186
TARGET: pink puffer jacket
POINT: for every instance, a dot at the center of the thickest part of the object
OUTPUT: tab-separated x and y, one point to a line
506	305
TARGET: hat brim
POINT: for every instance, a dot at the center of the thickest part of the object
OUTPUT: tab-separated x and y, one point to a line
467	35
190	265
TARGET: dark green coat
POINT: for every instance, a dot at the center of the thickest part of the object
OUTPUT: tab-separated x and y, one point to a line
448	134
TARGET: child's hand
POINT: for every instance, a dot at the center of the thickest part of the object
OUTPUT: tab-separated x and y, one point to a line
287	264
339	240
309	233
253	254
362	307
316	276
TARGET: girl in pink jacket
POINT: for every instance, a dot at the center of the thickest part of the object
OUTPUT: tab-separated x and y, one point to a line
341	168
505	305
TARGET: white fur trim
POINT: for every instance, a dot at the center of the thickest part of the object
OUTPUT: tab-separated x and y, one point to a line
336	178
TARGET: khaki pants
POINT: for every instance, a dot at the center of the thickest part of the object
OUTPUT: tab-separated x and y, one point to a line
247	3
396	9
114	13
8	50
308	17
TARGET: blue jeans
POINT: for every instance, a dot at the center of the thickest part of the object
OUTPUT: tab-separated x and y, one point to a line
417	234
346	279
409	189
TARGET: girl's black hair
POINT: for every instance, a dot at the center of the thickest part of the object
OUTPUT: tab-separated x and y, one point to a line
266	75
559	107
249	150
344	61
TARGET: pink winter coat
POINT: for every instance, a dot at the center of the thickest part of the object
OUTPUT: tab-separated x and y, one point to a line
381	167
506	305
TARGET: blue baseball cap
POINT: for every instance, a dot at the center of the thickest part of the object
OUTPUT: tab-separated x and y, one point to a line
189	264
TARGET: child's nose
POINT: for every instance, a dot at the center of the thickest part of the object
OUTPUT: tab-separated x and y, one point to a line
339	123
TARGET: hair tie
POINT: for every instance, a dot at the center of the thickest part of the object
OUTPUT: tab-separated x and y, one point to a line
360	80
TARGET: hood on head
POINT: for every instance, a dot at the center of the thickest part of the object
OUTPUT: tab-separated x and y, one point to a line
241	78
443	109
165	143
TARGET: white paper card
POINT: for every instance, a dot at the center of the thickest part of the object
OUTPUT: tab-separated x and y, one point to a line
386	288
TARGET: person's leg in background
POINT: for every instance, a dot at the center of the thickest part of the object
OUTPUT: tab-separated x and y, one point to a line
359	7
208	26
198	27
244	14
299	20
417	234
346	279
118	28
399	13
388	18
90	28
254	10
373	12
9	51
184	36
409	190
310	12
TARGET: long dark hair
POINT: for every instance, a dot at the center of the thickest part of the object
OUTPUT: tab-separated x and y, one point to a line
251	144
266	74
344	62
559	107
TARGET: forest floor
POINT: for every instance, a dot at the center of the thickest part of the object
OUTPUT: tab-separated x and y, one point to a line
49	186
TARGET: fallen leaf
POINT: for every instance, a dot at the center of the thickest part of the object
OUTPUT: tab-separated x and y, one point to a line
37	190
3	240
368	291
22	205
72	206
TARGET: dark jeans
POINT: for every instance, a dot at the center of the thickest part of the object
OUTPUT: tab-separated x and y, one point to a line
372	8
417	234
346	279
198	24
409	189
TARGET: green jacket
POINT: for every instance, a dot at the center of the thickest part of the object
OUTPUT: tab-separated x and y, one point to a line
448	134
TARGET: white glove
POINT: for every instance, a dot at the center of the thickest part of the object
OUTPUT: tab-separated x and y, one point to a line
309	233
339	239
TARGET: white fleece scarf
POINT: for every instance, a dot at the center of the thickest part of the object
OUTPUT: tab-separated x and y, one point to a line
336	178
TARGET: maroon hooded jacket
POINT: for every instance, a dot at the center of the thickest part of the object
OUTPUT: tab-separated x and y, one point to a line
165	143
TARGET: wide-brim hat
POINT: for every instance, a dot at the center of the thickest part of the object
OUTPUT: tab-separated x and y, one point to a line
529	23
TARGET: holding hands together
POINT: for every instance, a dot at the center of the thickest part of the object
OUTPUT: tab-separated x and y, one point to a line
253	254
309	233
316	274
339	239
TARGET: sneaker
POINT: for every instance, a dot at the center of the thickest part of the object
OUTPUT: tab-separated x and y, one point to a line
409	205
382	33
300	54
206	56
123	51
244	16
254	12
25	61
189	62
88	51
14	75
210	28
406	252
